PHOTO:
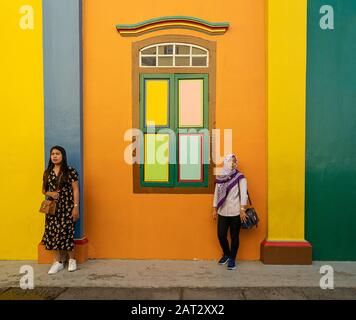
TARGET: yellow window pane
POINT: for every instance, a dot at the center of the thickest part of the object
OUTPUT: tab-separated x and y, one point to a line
156	102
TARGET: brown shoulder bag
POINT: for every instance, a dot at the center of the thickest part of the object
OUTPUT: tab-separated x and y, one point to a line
49	206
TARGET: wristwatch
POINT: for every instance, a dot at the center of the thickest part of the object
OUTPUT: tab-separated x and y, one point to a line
75	204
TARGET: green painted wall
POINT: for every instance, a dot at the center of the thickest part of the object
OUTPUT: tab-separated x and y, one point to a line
331	132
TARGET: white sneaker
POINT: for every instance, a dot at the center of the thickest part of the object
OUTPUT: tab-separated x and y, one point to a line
72	265
57	266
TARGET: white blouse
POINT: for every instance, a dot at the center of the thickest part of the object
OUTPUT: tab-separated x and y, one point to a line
231	206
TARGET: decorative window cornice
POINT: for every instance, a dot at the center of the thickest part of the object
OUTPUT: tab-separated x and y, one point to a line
168	22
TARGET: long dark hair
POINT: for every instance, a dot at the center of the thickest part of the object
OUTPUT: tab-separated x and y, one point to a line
63	170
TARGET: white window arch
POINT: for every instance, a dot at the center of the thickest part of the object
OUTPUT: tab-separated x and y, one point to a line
174	55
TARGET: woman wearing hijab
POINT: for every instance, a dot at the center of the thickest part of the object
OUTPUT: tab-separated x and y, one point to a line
230	201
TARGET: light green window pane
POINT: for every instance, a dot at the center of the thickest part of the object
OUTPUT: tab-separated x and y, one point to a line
190	157
156	166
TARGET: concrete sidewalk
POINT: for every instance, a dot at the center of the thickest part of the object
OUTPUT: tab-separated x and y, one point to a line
162	279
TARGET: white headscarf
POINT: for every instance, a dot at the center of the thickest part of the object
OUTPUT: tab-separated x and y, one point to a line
226	169
227	180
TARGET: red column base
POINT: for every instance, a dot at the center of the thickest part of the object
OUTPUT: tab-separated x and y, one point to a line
81	252
286	252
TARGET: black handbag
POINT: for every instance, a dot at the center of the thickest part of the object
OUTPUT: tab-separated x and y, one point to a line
252	217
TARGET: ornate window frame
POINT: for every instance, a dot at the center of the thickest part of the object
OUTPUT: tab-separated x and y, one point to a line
137	70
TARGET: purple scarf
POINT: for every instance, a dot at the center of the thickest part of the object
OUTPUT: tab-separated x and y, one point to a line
225	184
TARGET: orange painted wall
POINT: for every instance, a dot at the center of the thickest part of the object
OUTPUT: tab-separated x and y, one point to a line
120	224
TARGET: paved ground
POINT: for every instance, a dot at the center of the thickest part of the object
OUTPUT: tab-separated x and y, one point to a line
157	279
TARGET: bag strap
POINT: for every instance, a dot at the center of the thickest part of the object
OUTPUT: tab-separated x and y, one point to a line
58	182
249	199
248	196
57	186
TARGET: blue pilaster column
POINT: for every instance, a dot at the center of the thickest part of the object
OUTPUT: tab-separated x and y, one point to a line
63	85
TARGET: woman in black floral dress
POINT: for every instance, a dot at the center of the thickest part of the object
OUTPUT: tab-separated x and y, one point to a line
60	182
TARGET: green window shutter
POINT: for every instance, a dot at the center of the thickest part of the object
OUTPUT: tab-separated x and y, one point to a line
174	120
192	123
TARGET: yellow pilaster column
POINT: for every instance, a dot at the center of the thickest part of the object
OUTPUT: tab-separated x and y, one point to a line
22	129
286	60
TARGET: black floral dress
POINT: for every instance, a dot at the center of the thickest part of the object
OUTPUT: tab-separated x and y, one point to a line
59	228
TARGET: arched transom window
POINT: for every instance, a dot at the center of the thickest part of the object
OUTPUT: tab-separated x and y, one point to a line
174	55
